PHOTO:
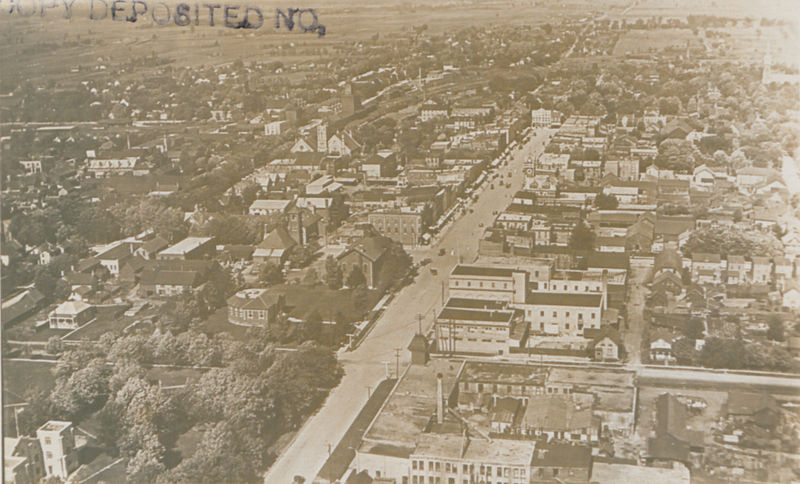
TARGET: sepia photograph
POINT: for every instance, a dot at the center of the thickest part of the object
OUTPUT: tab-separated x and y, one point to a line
400	241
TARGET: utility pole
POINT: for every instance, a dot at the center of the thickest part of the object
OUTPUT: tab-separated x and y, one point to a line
397	363
369	389
419	322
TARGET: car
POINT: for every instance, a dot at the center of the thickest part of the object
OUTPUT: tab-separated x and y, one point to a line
441	251
425	261
480	224
434	271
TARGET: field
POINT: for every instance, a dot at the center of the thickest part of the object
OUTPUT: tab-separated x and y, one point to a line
25	375
653	41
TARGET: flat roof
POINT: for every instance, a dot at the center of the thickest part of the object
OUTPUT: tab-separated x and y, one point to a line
408	409
186	245
464	270
564	299
594	376
476	315
55	426
467	303
504	373
498	451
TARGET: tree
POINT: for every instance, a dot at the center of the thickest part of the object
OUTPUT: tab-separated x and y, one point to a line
333	273
270	273
775	331
582	237
55	345
356	278
695	329
606	202
722	353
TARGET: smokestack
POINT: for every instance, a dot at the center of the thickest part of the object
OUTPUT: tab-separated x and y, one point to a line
439	400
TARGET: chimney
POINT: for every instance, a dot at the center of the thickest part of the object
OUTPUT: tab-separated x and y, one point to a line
439	400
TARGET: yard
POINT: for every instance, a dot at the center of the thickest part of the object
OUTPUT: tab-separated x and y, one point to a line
702	420
651	41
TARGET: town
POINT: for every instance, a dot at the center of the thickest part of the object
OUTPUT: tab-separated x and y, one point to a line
560	246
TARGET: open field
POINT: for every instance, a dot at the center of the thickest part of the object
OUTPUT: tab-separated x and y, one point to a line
653	41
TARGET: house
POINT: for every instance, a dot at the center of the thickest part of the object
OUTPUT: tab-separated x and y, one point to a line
367	255
676	129
674	440
131	268
57	440
668	261
759	408
762	270
150	248
784	268
706	268
255	307
267	207
703	178
275	247
432	110
737	270
23	462
113	259
791	299
31	167
70	315
605	343
667	282
661	351
127	165
190	248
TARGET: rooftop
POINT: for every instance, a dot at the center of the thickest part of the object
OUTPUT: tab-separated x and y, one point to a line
564	299
464	270
498	451
186	245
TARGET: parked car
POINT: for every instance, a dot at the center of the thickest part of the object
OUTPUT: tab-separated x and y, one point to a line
441	252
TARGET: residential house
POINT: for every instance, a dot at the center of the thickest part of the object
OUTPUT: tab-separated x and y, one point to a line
23	462
20	305
706	268
382	164
275	247
114	258
255	307
759	408
70	315
674	440
150	248
267	207
762	270
563	417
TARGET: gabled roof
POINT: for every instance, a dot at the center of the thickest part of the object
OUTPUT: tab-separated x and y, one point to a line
372	247
71	307
119	252
155	245
279	238
20	304
257	299
668	259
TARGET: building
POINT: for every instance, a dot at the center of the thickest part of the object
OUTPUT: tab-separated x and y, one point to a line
57	440
674	440
562	463
101	168
488	283
562	314
23	462
343	144
566	418
366	255
275	247
541	118
267	207
190	248
275	128
382	164
403	227
150	249
432	110
31	167
255	307
71	315
114	258
462	326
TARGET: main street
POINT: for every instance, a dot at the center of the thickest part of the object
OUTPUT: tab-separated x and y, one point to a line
366	366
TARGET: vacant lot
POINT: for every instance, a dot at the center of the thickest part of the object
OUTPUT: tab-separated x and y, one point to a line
702	421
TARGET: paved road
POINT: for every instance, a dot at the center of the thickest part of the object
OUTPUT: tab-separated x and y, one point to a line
365	367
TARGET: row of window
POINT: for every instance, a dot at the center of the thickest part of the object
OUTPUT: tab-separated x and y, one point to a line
248	313
467	469
480	284
555	314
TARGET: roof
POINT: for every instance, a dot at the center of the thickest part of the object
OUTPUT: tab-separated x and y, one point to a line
259	299
498	451
121	251
705	257
506	409
476	315
372	247
186	245
279	238
270	205
485	271
668	259
71	307
418	343
154	245
559	412
564	299
20	304
562	455
607	260
671	419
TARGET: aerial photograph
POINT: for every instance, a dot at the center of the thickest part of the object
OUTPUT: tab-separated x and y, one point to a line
400	241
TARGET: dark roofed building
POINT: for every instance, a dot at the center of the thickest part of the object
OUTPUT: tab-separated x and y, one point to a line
561	462
674	440
366	255
760	408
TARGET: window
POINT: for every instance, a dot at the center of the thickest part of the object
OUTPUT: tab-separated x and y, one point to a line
49	454
567	313
414	464
567	326
594	315
47	441
499	472
541	313
555	314
465	469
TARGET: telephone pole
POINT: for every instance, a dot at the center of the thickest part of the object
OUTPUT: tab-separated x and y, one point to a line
397	363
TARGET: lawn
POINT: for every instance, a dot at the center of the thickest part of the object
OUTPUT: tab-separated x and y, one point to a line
302	300
109	319
19	376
